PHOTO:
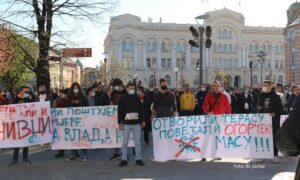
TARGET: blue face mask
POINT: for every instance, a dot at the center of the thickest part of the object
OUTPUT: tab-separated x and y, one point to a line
131	92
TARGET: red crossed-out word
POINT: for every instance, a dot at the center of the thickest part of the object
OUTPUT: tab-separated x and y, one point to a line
187	144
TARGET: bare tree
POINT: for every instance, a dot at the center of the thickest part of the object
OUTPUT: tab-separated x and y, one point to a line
38	18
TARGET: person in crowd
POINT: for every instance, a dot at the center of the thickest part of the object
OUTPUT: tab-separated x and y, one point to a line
288	136
255	98
164	104
131	119
270	102
118	93
92	98
146	108
99	90
200	99
283	96
76	98
223	90
42	94
22	96
3	98
187	102
216	102
235	99
106	97
245	102
61	102
295	90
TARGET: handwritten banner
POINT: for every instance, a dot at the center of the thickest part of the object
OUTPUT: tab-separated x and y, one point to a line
86	128
23	125
223	136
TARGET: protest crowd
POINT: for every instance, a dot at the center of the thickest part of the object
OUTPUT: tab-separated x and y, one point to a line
138	106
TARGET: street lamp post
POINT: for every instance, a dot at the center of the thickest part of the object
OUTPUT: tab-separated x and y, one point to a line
261	55
198	40
176	70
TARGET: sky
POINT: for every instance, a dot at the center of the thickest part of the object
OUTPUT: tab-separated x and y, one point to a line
256	13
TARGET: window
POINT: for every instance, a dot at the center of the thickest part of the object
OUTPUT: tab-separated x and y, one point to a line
281	64
178	64
225	34
264	48
220	34
254	80
276	49
148	63
151	46
163	63
127	45
183	63
152	80
276	64
229	35
168	79
255	48
281	50
169	63
251	49
293	58
163	47
230	48
280	79
230	64
269	49
153	63
225	48
225	63
180	47
220	48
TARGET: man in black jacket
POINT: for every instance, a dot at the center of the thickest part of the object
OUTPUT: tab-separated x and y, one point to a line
270	103
130	119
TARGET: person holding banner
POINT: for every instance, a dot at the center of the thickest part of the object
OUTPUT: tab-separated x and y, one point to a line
21	97
131	119
76	98
164	104
271	103
216	102
117	94
187	102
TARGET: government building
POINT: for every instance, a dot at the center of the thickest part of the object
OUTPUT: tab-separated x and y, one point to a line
151	50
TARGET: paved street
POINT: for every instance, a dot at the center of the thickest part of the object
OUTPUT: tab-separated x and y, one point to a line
45	167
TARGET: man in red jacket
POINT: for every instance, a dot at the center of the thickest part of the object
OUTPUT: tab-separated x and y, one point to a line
216	102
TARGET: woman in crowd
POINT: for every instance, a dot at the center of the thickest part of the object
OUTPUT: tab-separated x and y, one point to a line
76	98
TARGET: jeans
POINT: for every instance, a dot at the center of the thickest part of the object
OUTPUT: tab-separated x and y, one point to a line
136	130
83	152
16	153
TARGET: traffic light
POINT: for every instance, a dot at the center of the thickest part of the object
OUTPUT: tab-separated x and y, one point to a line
193	43
208	31
208	43
194	32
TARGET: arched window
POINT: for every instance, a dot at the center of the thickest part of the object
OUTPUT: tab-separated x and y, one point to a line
225	48
127	45
163	47
220	48
168	79
229	35
251	49
151	45
225	34
220	34
264	48
276	49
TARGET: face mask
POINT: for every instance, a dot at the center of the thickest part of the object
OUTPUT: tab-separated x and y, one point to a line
26	95
131	92
264	89
164	88
117	88
93	94
202	89
76	90
42	92
42	96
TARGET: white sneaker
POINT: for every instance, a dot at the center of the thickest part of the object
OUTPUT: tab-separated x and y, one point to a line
276	160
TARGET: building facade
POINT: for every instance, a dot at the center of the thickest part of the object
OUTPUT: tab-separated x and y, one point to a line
292	44
161	50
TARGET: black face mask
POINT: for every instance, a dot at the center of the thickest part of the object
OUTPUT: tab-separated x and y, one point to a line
42	92
164	88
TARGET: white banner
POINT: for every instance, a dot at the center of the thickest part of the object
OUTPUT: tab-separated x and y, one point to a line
23	125
86	128
223	136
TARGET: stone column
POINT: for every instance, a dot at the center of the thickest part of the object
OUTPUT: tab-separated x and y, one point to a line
159	56
144	55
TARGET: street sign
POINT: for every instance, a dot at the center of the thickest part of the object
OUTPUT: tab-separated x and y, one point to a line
77	52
